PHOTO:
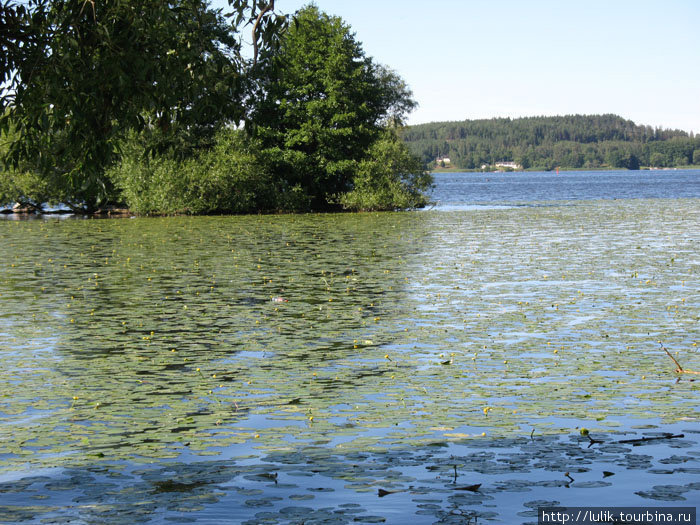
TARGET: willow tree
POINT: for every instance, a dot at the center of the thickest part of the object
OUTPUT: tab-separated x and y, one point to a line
78	75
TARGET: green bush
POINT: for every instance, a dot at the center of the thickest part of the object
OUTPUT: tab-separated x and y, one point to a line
231	177
23	187
390	178
19	185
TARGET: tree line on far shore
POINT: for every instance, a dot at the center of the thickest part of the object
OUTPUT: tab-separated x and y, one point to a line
573	141
158	107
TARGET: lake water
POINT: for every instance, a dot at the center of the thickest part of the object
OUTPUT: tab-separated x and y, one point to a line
457	190
357	368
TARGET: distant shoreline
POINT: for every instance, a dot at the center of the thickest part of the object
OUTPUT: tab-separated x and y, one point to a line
529	170
600	141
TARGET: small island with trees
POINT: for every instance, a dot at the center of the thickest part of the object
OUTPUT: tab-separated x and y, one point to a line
155	107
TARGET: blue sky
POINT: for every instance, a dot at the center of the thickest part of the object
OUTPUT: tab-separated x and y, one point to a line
468	59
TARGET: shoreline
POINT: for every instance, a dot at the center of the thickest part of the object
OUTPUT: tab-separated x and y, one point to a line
542	170
27	212
19	212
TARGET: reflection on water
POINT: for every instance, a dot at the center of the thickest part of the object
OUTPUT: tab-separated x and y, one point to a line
348	352
478	479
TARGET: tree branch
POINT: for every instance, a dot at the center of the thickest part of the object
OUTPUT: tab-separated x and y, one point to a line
680	369
267	8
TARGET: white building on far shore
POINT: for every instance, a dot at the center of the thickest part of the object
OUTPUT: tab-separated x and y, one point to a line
505	164
509	164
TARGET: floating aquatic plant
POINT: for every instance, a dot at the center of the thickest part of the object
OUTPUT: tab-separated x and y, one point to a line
394	330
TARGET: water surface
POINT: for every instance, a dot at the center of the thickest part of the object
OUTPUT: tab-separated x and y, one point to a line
460	190
285	369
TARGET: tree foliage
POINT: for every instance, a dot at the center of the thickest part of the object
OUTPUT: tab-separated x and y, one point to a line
137	101
389	178
574	141
79	75
23	187
324	105
233	176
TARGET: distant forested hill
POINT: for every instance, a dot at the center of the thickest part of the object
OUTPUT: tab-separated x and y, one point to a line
572	141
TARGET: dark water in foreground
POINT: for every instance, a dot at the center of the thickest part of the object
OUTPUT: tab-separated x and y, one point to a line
151	375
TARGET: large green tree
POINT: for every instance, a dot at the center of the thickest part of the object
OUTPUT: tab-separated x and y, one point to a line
323	106
77	75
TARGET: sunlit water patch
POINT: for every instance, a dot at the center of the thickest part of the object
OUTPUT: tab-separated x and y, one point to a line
268	367
477	190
